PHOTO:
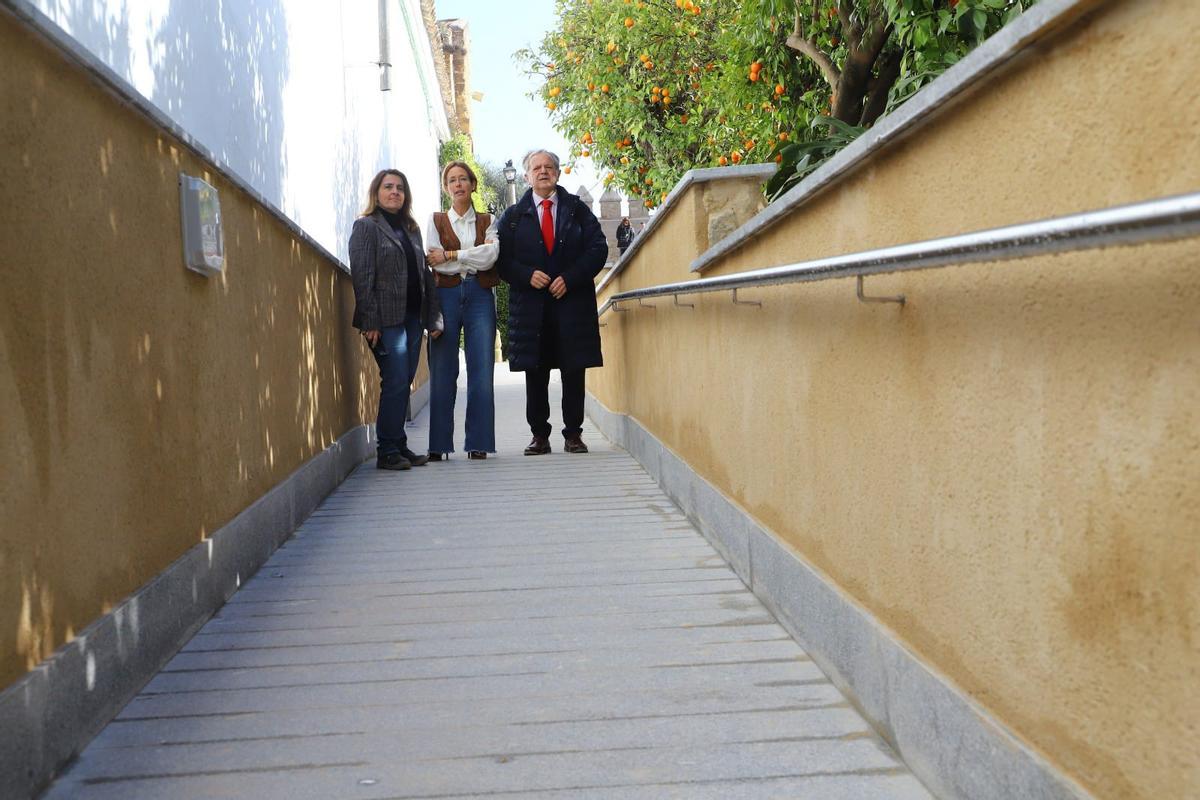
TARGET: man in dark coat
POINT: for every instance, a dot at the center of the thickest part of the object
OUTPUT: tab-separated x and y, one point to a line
551	249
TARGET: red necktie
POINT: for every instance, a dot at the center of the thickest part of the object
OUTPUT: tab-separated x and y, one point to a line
547	226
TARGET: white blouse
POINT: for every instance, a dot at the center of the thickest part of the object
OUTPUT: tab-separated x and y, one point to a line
470	259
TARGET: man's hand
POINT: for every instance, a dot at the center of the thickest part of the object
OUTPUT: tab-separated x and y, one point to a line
371	336
558	288
539	279
436	256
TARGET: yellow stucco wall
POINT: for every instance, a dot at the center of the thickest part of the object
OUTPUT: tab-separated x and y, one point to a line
141	405
1005	470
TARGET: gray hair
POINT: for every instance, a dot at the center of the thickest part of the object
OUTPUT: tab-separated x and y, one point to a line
529	157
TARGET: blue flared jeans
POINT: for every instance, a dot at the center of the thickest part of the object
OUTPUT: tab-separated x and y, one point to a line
472	309
398	352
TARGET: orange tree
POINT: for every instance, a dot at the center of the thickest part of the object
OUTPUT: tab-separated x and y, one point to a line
652	88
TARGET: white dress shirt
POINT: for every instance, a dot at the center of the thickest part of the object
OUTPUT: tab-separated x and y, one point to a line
471	258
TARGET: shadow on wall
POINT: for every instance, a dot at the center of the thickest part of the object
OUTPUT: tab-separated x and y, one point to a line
107	35
220	70
349	190
141	405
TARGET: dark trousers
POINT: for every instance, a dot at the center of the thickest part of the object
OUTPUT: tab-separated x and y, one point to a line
537	401
397	354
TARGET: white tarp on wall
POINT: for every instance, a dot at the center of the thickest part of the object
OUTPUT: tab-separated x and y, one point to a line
285	92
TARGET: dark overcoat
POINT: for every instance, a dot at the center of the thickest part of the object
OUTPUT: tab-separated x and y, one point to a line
580	250
379	271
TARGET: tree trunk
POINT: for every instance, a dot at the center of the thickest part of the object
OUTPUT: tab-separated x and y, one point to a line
881	84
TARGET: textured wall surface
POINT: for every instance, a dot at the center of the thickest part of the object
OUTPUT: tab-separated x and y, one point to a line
141	405
1004	470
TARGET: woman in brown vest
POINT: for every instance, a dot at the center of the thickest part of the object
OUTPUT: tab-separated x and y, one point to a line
462	251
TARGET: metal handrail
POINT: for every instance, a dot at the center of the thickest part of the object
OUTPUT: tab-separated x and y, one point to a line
1163	219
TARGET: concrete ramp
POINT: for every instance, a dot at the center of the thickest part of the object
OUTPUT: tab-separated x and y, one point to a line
548	627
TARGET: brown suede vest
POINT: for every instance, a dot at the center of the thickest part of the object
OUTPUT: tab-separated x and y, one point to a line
441	221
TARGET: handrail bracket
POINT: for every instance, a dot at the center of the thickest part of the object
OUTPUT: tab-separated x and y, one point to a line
899	298
682	305
737	302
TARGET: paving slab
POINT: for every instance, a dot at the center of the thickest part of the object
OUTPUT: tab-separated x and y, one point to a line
548	628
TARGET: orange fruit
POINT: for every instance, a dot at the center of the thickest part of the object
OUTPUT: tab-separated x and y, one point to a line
629	22
566	170
722	161
604	88
735	156
779	88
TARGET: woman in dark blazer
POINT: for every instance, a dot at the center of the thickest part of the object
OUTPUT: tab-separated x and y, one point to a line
394	299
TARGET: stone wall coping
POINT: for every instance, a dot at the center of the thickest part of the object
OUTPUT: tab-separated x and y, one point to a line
124	92
700	175
969	74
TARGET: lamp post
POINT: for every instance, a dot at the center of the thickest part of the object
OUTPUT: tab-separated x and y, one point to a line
510	175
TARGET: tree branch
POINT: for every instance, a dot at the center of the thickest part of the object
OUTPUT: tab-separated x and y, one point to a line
798	42
851	31
880	31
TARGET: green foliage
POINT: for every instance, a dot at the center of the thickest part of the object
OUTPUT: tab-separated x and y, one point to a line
800	158
458	148
651	88
502	317
935	35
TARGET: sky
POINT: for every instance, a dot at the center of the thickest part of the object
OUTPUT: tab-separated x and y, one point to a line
506	123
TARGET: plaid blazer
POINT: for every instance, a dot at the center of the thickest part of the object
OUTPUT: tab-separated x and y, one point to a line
379	270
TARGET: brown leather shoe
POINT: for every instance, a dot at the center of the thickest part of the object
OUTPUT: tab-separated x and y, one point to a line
413	458
476	455
538	447
575	445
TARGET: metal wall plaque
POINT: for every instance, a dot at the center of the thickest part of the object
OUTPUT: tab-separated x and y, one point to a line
203	238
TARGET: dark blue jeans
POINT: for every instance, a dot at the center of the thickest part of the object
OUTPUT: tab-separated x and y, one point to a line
472	309
397	353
